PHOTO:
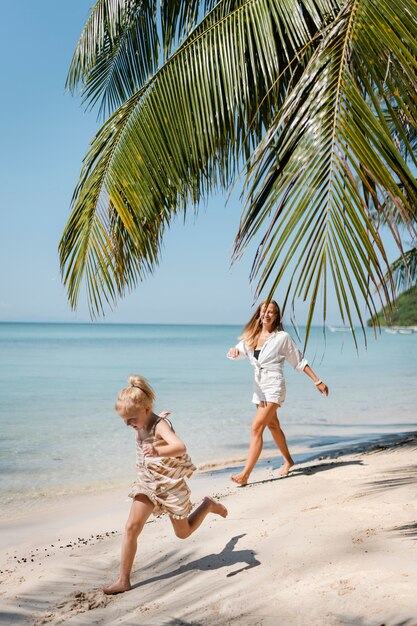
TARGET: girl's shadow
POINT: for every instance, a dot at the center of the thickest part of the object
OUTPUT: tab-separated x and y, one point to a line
226	558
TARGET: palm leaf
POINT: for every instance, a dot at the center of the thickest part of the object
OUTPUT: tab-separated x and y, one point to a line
172	142
120	47
404	271
330	149
117	52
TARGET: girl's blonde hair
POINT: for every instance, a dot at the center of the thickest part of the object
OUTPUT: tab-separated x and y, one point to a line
137	396
253	328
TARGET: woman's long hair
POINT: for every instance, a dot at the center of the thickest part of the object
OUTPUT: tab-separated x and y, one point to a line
253	328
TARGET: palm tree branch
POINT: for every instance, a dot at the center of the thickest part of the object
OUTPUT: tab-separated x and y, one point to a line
166	146
274	177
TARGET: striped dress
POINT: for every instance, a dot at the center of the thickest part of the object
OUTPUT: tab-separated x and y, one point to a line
162	479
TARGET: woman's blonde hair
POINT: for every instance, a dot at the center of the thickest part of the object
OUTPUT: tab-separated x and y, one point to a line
137	396
253	328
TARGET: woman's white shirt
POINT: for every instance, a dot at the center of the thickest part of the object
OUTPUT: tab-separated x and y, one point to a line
278	348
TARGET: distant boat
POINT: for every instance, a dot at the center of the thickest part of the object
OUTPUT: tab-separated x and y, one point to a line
400	330
340	329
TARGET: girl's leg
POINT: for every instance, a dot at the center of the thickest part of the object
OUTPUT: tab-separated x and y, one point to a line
183	528
260	421
141	509
279	438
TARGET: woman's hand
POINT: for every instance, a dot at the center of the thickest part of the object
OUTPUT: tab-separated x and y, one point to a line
233	353
322	387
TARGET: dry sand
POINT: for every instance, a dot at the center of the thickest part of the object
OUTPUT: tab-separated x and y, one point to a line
333	544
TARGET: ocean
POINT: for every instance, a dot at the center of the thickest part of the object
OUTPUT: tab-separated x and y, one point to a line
60	434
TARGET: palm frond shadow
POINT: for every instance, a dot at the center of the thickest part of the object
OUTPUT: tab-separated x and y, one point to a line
179	622
226	558
407	530
359	621
398	478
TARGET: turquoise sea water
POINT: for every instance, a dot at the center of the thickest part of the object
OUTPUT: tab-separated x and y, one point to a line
58	384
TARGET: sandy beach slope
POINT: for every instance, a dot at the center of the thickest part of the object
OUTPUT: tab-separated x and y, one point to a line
333	544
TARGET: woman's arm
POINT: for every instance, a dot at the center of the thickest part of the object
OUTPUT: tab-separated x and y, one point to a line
321	386
174	445
238	352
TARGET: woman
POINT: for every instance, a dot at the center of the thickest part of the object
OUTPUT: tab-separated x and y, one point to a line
267	346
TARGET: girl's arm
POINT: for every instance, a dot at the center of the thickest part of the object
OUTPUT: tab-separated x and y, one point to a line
321	386
174	445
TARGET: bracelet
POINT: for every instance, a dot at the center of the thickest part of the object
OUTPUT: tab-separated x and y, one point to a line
318	382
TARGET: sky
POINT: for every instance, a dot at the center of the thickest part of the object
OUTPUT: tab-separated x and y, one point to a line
45	133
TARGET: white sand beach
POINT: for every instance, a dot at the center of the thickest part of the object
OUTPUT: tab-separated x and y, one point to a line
333	544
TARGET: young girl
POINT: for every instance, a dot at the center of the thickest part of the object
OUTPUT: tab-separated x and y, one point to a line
267	347
160	487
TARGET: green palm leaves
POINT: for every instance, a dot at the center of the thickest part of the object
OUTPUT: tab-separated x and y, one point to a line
329	162
314	100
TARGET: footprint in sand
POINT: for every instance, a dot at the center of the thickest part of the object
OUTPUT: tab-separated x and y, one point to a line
362	535
343	587
78	602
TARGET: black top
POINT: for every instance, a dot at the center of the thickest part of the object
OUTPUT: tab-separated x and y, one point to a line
256	353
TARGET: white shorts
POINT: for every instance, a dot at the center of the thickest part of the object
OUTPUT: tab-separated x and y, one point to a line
268	386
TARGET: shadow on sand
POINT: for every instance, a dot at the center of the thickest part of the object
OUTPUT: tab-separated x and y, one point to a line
226	558
397	478
302	471
407	530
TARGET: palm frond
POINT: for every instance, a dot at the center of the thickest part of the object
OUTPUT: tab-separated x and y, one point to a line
404	271
176	139
179	18
117	52
120	47
328	144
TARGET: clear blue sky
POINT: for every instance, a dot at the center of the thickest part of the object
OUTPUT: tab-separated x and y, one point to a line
45	134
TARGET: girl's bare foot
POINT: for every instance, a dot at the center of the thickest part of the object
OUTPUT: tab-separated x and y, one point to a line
240	479
286	468
216	507
117	587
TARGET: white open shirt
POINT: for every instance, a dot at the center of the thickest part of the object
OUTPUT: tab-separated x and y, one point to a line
277	349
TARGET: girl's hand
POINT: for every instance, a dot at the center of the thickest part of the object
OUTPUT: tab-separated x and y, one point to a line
233	353
164	414
149	450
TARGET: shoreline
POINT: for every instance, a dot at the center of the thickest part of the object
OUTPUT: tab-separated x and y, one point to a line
41	499
14	503
335	545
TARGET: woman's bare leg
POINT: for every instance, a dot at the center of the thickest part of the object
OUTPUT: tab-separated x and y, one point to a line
183	528
279	438
260	421
140	510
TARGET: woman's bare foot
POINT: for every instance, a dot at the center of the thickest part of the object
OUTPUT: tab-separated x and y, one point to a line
286	468
117	587
215	507
240	479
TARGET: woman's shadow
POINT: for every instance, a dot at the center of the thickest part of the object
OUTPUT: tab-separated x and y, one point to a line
226	558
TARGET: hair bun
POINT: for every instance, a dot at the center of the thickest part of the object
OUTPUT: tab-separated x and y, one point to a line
139	382
136	381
